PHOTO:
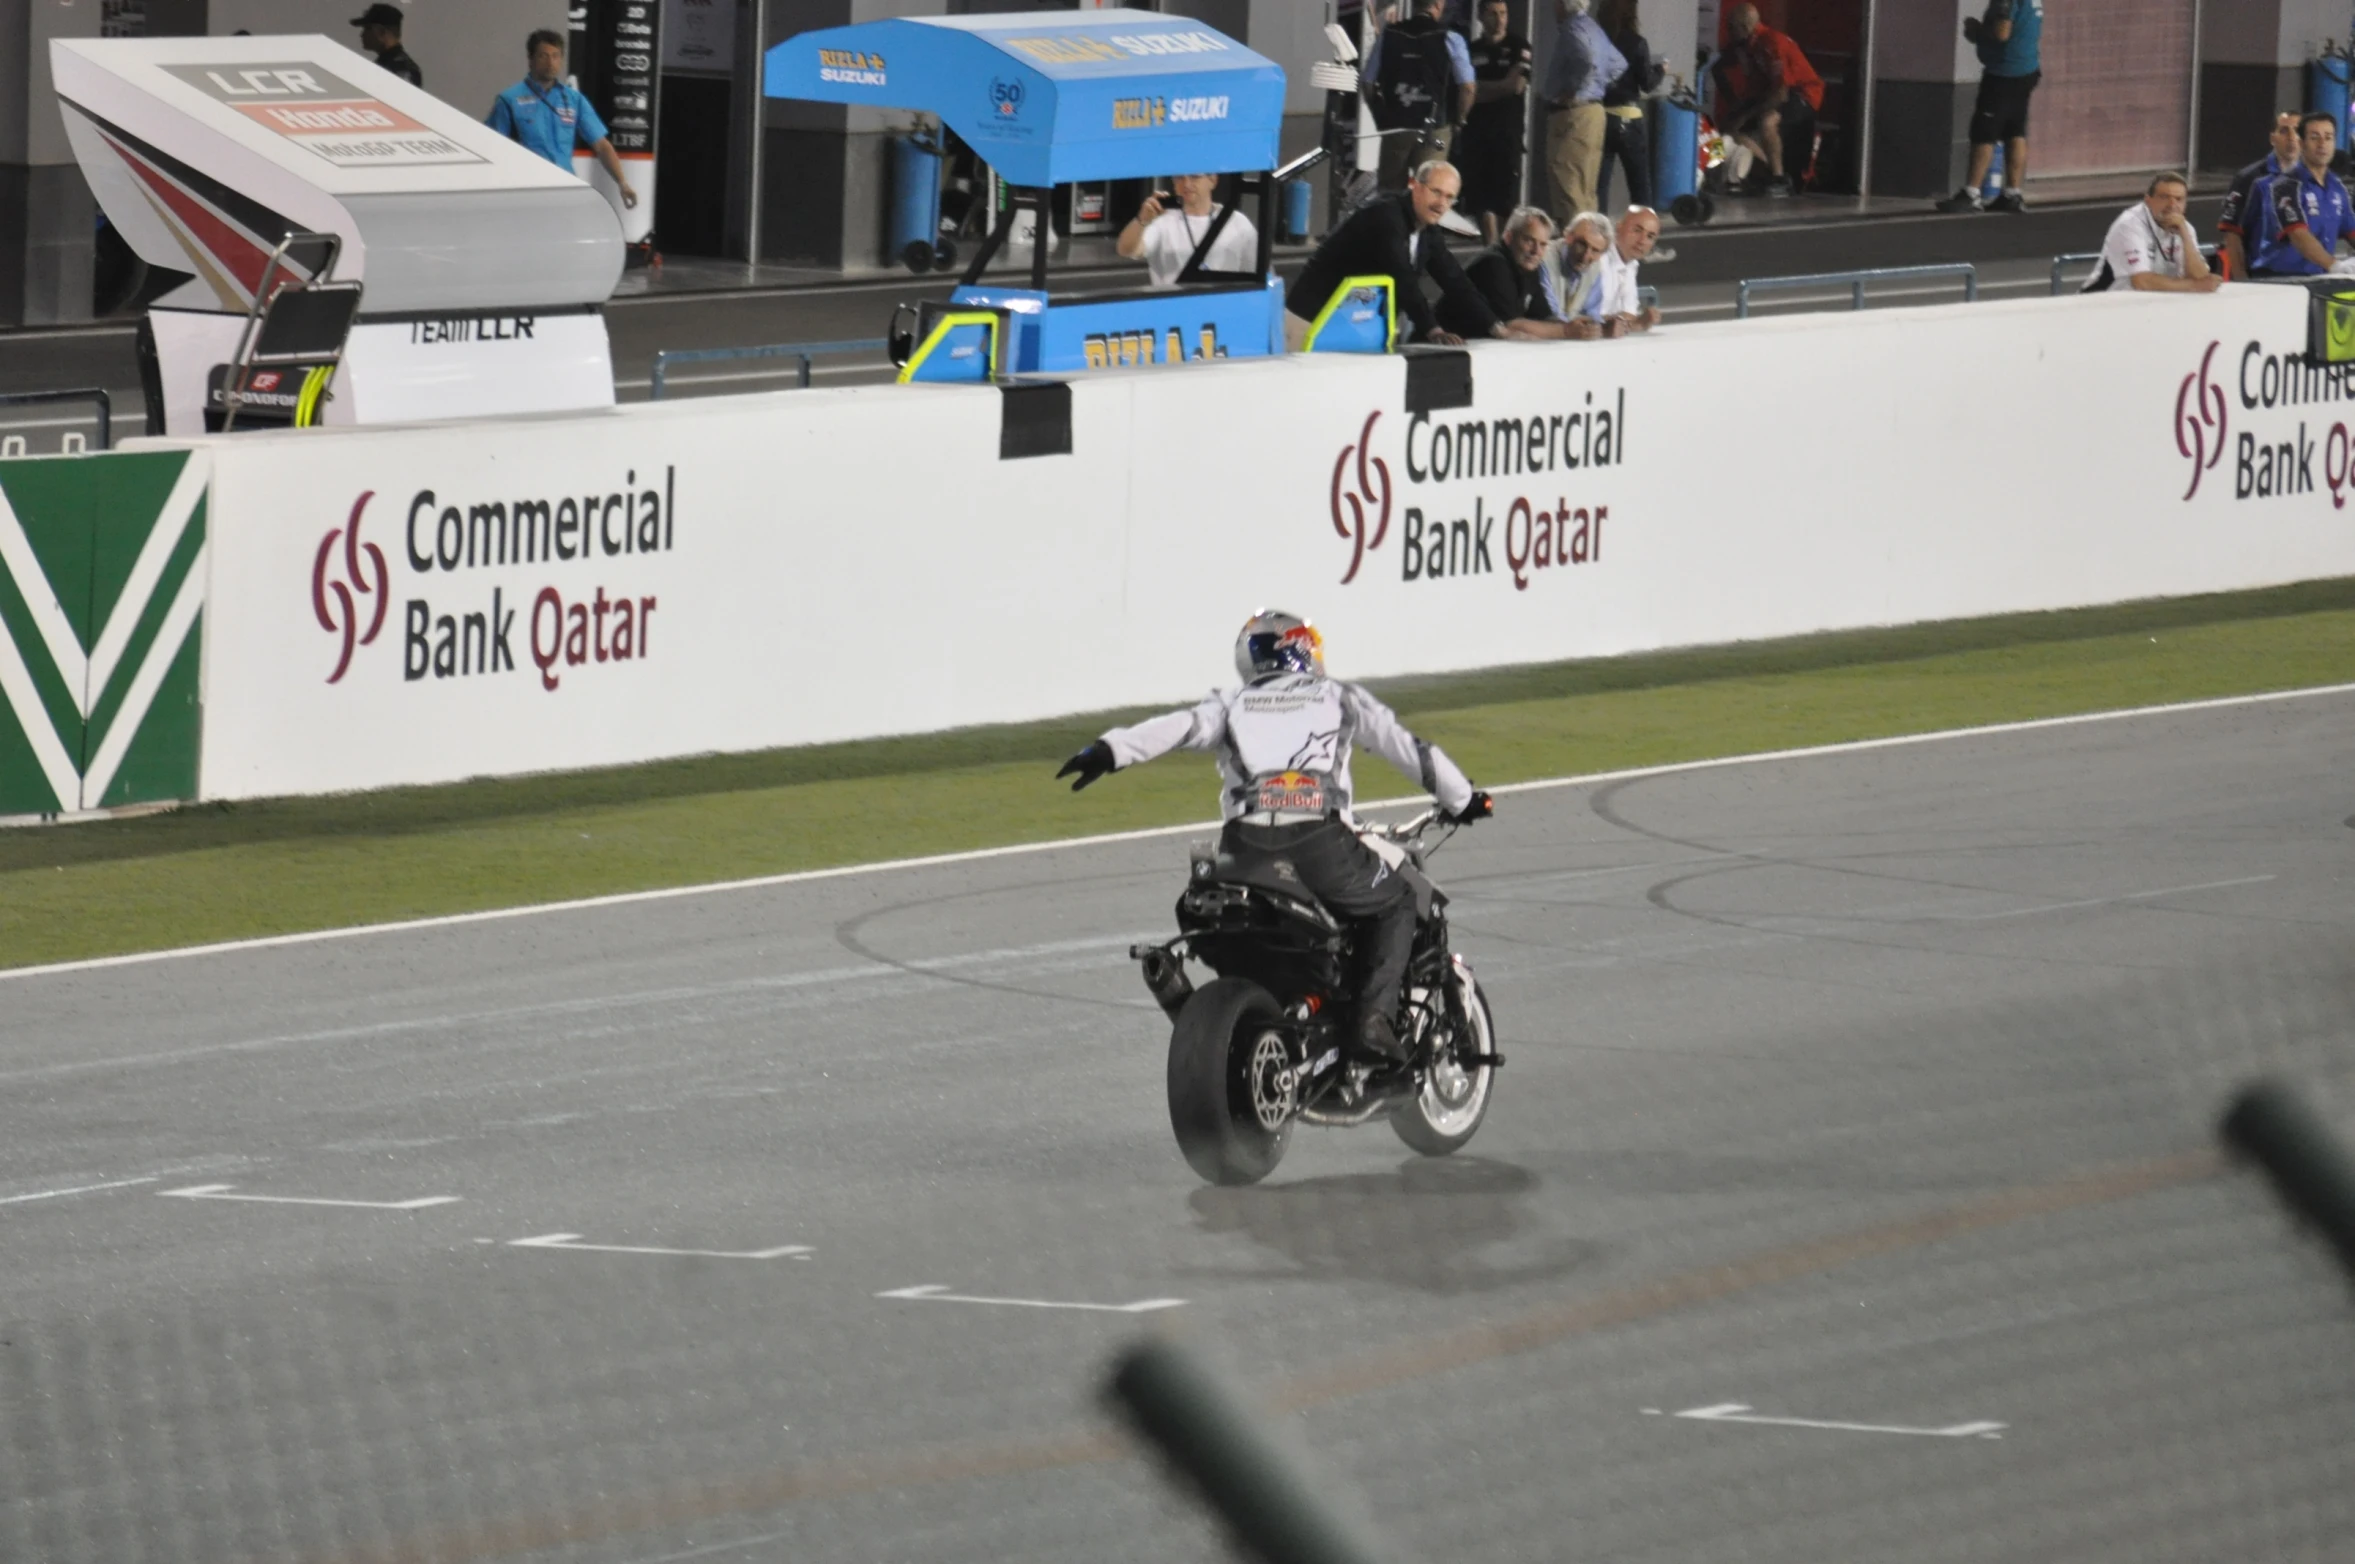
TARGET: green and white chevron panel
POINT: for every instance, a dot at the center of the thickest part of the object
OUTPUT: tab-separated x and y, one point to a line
102	585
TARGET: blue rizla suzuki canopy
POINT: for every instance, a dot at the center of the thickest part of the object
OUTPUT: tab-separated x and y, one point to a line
1046	98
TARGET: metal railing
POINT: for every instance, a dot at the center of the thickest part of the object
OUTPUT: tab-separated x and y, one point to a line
13	445
1854	282
2061	263
804	351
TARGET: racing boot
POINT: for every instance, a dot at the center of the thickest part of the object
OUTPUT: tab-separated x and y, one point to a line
1377	1040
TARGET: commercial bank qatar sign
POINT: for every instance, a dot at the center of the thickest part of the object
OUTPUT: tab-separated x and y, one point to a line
433	602
2266	421
465	569
1508	496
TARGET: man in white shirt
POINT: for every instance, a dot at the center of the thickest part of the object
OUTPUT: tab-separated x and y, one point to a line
1574	271
2152	248
1607	294
1166	236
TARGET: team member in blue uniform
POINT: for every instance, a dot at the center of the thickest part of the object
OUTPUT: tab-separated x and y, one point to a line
2310	208
2247	215
2009	40
547	114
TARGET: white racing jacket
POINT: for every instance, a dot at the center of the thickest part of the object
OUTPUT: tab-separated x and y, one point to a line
1299	727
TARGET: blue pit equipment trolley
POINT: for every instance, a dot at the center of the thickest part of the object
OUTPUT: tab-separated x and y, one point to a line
1054	98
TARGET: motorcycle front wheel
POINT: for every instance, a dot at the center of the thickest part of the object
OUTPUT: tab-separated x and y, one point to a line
1447	1111
1231	1082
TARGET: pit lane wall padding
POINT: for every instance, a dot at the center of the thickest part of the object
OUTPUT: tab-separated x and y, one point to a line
102	584
431	603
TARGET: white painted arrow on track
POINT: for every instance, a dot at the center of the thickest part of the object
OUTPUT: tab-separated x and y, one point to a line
222	1192
573	1241
1737	1412
943	1295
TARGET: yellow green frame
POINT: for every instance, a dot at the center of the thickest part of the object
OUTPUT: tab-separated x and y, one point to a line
306	405
941	328
1389	287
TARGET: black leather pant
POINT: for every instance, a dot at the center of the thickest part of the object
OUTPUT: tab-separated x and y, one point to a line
1354	883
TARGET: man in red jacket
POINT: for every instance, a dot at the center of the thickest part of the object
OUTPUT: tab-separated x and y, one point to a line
1767	98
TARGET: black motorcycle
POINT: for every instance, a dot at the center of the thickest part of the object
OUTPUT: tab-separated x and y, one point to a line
1261	1048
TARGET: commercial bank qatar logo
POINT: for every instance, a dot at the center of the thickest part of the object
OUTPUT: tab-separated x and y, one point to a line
1361	511
2200	419
333	590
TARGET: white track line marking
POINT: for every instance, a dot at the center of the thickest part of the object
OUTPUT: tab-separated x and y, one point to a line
221	1192
1737	1412
78	1189
943	1295
1018	958
573	1241
1024	849
2112	901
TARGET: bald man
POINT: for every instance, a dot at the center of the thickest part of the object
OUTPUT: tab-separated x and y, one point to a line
1767	97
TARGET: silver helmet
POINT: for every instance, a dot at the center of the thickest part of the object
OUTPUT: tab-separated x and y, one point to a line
1276	642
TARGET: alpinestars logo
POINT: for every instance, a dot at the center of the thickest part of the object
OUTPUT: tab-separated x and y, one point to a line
331	598
2200	419
1361	515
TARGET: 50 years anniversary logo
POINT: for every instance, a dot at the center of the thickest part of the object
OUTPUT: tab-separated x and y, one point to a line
532	549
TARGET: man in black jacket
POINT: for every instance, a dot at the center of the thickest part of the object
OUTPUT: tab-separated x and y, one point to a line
1417	78
1397	237
1520	289
380	35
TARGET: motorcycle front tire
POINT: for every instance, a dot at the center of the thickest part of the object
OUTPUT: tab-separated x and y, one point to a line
1211	1098
1454	1101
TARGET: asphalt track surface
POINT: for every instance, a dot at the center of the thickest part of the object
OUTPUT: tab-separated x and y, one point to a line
1867	1088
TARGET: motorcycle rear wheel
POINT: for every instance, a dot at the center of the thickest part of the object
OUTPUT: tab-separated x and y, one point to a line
1450	1108
1231	1082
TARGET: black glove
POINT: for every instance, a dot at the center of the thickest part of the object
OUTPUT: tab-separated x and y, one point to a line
1093	762
1478	807
1971	29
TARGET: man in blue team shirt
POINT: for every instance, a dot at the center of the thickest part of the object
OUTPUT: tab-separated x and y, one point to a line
2008	39
2310	208
549	116
2247	215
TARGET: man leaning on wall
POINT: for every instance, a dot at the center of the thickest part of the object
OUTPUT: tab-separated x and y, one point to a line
2152	247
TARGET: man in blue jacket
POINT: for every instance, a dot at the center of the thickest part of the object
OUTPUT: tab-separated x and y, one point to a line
2311	213
2008	39
547	114
2248	206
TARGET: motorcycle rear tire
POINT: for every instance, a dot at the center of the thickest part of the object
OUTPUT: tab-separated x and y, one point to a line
1210	1087
1426	1121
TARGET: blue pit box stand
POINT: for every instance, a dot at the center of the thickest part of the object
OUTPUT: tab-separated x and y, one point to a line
1051	98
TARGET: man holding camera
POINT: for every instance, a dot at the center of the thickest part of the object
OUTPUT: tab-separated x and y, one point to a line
2009	39
1169	228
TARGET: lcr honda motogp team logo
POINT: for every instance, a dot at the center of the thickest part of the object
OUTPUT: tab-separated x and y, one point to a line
2200	419
1361	513
331	595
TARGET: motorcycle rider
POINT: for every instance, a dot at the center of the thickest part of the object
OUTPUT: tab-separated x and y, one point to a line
1283	740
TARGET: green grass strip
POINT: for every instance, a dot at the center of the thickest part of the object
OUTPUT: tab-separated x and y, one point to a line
220	872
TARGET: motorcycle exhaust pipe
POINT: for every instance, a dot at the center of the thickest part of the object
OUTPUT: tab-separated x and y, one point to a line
1165	979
